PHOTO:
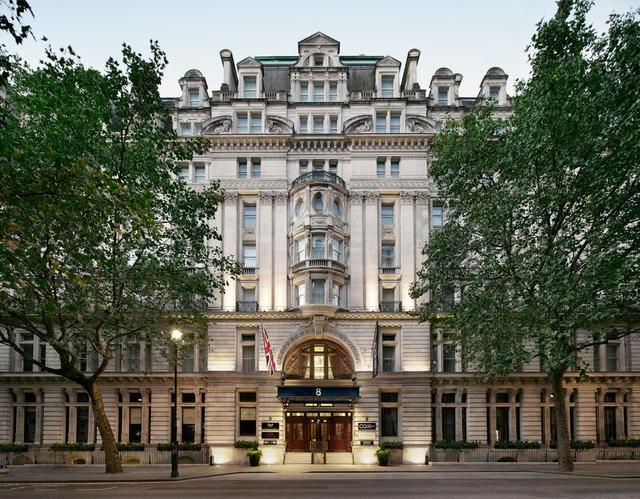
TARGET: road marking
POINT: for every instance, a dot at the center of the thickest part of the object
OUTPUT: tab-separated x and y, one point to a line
101	489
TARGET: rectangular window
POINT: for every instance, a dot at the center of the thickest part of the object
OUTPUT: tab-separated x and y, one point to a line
387	86
250	87
27	346
318	124
380	168
336	249
133	357
301	249
249	256
395	123
333	124
303	166
135	424
389	422
82	424
318	92
29	435
247	421
194	97
386	214
502	424
317	246
318	165
333	166
256	123
198	129
389	296
185	128
242	168
381	122
188	365
395	168
494	94
248	358
255	168
612	357
304	123
335	295
188	424
318	60
448	358
199	174
304	91
249	215
317	291
388	255
301	294
443	96
333	91
389	357
243	123
436	216
247	397
448	423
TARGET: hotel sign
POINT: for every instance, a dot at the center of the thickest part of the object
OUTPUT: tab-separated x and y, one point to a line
326	392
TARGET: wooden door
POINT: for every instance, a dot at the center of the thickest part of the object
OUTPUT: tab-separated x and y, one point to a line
297	434
340	440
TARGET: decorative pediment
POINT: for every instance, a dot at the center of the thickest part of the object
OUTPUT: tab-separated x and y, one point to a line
249	62
318	39
419	124
387	62
278	124
358	124
217	125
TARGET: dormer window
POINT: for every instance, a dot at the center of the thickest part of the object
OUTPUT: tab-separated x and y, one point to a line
443	96
387	86
194	97
250	88
494	94
318	60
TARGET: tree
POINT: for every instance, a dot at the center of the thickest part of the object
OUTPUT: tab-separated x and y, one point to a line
543	245
12	22
100	240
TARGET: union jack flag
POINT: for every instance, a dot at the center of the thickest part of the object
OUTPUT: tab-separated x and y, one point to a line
268	353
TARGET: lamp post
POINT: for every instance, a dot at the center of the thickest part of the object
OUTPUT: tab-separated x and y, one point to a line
176	336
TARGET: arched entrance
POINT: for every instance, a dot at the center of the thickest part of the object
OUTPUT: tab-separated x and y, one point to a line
319	416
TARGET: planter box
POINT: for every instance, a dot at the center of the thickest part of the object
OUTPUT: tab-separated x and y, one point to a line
395	456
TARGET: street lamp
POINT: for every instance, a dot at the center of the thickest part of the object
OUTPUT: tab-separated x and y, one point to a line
176	336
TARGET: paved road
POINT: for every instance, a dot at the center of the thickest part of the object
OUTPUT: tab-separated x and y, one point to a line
350	485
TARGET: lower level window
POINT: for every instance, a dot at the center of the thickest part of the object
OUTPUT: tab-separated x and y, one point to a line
389	423
247	421
188	424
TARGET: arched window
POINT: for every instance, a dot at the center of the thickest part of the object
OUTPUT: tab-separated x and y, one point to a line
318	203
318	359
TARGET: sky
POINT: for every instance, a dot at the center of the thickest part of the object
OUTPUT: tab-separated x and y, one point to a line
468	36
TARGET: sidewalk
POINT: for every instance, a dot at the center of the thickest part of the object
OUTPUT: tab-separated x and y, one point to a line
155	473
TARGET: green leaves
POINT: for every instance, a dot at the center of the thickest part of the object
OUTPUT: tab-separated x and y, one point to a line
544	245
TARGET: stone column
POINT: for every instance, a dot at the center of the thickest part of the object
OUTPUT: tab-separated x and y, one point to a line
356	252
407	249
586	415
280	260
230	245
264	247
372	241
477	414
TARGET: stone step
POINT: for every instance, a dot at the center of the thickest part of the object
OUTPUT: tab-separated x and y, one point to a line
297	458
339	458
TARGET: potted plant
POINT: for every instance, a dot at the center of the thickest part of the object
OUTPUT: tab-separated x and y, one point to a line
383	456
254	457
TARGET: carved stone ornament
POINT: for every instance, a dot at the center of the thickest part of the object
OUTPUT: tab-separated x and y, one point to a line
273	127
355	198
406	198
418	124
230	197
358	124
371	198
280	198
278	124
214	126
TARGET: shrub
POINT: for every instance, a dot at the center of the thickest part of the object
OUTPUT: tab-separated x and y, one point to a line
507	459
577	445
166	446
73	446
254	453
246	444
382	455
625	442
456	444
517	444
13	448
392	444
131	446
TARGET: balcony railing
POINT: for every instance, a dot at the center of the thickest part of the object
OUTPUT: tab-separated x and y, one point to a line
319	263
318	176
388	270
247	306
390	306
219	96
249	270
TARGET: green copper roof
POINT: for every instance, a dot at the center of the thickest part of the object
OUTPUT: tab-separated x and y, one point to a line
289	60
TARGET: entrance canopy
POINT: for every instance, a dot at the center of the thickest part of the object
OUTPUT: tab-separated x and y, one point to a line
318	394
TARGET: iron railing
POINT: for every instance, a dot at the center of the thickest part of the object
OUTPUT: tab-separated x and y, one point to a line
318	176
247	306
390	306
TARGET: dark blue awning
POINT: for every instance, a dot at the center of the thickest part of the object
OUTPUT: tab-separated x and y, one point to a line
317	393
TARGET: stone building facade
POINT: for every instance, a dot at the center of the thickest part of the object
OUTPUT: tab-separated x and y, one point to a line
324	160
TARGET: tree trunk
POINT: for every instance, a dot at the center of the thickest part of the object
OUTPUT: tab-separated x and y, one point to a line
113	463
565	459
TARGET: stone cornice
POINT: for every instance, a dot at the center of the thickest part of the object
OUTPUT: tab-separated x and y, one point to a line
295	315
